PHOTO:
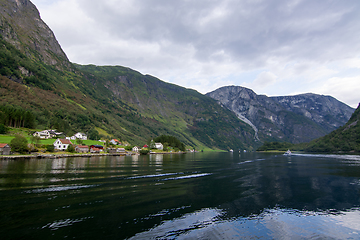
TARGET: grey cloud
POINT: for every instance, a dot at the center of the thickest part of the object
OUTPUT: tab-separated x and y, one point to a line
209	43
247	31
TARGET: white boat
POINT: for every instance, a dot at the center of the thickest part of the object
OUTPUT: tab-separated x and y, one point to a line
288	152
231	150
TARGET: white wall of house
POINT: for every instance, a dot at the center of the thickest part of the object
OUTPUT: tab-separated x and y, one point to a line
159	146
135	149
58	145
81	136
43	134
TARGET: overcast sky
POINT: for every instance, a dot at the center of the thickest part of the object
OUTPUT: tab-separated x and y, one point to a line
274	47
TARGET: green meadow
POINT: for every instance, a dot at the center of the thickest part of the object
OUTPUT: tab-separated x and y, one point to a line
7	139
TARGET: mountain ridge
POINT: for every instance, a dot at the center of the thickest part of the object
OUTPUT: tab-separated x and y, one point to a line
309	115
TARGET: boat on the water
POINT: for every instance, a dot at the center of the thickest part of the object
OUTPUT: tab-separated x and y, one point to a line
288	152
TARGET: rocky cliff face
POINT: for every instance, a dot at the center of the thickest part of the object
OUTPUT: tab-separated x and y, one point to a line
324	110
296	119
21	25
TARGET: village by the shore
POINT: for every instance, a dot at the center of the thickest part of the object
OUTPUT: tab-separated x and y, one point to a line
62	144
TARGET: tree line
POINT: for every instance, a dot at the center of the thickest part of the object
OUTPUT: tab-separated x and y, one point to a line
16	117
271	146
170	141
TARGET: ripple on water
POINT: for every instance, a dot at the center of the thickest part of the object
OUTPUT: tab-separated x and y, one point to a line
183	176
64	223
59	188
273	223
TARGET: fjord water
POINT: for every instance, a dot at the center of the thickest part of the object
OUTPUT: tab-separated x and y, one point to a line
182	196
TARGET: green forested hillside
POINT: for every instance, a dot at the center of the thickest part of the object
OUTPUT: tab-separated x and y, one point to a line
344	139
120	102
181	112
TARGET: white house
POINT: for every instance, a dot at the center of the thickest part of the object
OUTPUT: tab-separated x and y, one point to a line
62	144
120	150
43	134
47	134
80	135
115	142
159	146
135	149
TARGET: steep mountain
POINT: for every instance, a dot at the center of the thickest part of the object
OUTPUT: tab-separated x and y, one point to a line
344	139
21	25
294	119
40	88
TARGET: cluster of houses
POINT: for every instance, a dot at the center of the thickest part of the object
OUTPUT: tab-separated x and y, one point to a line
62	144
156	145
46	134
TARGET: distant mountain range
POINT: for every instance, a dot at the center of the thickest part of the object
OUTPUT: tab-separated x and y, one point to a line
294	119
40	88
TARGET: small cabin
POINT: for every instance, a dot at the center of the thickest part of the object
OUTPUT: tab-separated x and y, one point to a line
96	148
82	149
120	150
111	150
5	149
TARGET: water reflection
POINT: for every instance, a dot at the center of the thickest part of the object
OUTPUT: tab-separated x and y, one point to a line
156	159
216	195
276	223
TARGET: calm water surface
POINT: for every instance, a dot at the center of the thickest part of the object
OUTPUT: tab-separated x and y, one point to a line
190	196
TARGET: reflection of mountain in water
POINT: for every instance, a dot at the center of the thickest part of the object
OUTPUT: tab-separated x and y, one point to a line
313	182
194	196
273	223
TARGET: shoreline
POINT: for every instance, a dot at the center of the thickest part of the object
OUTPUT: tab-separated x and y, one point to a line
167	153
54	156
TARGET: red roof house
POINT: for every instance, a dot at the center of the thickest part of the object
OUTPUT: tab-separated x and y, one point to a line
5	149
62	144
